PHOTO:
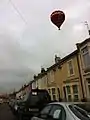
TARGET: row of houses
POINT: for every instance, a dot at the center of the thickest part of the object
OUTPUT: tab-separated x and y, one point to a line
68	78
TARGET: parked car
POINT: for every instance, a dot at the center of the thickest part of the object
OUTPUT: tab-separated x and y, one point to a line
62	111
32	103
15	106
12	103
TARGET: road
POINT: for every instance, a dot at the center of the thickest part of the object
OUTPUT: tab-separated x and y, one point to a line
6	113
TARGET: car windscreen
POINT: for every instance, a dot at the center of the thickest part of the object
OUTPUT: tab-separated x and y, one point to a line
37	98
80	113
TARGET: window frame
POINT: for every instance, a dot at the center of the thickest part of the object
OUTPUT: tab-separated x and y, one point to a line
69	97
89	88
68	94
51	76
68	86
69	74
75	93
54	94
83	54
51	93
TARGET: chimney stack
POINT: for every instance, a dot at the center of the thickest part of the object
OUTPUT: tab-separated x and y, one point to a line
57	59
42	70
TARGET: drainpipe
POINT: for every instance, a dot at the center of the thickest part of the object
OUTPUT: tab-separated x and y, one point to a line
80	74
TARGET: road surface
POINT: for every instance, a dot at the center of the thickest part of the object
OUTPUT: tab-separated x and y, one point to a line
6	113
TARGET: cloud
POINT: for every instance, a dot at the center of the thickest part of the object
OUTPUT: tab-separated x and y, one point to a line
13	62
25	47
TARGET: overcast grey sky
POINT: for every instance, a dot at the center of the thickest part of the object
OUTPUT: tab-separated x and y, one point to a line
30	42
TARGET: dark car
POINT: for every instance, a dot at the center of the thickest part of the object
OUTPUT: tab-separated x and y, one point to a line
15	106
33	103
12	104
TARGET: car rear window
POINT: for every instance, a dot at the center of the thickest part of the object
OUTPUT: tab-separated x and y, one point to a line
34	99
80	113
37	98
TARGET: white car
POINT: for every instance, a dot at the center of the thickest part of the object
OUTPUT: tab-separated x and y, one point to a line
62	111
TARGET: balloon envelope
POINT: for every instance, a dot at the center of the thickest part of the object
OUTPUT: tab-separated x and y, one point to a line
57	18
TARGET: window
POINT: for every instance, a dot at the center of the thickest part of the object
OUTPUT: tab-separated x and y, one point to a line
57	112
75	97
54	93
58	92
68	93
53	90
49	91
69	98
51	76
75	92
54	97
88	79
70	66
68	89
65	94
80	113
44	79
89	89
75	89
86	56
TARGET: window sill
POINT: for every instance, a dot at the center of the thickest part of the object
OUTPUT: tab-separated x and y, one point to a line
50	82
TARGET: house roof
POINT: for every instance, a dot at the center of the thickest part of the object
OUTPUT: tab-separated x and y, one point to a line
63	60
22	88
84	42
40	75
68	56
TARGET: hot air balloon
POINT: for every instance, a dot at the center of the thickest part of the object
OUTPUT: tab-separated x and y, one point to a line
57	18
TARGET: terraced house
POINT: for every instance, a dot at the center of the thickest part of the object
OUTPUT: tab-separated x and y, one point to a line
40	81
64	79
69	78
84	61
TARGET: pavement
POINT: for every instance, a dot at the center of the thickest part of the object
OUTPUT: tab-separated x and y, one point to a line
6	113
